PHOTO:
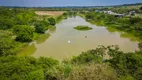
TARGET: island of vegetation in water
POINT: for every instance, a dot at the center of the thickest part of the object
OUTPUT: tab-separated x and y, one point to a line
82	27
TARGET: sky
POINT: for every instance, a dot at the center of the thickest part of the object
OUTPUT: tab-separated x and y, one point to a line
49	3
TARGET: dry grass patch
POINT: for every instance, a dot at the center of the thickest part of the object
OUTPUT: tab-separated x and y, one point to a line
50	13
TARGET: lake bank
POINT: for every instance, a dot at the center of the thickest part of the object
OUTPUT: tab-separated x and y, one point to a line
118	24
57	46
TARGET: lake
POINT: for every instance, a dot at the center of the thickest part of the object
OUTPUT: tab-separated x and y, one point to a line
58	47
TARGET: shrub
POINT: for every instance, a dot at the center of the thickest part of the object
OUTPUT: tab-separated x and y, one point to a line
24	33
52	21
81	27
40	27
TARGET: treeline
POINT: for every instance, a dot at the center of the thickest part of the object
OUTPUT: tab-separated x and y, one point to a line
10	17
126	9
132	25
136	4
90	65
18	26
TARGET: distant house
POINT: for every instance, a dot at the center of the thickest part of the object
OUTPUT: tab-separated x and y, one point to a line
109	12
97	11
132	12
113	13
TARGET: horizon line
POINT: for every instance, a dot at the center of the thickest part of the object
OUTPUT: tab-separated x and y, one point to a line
75	6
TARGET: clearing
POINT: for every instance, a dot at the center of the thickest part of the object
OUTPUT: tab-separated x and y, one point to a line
49	13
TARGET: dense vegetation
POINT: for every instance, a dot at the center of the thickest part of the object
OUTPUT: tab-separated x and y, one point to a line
82	27
20	26
130	25
41	26
90	65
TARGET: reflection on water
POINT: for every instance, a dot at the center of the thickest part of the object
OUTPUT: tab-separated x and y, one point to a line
42	38
111	29
28	50
124	34
130	36
57	45
52	30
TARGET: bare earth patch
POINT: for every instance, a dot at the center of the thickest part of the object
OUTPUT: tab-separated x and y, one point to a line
49	13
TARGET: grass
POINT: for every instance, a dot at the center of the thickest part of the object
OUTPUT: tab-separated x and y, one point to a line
82	27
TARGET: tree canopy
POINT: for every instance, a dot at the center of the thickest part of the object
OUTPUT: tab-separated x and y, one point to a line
52	21
8	46
24	33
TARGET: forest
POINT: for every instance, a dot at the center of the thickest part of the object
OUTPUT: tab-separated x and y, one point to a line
19	26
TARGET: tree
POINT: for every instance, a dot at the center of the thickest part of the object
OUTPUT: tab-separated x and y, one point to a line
127	64
7	44
24	68
6	23
65	14
89	16
40	27
140	45
52	21
24	33
141	8
9	17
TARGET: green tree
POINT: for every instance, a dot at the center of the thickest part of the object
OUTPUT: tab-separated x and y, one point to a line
141	8
127	64
65	14
24	68
24	33
6	23
7	45
40	27
140	45
52	21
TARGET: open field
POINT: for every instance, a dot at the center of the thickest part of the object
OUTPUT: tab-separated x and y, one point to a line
50	13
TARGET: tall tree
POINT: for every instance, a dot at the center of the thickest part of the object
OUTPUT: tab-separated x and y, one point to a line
7	43
24	33
52	21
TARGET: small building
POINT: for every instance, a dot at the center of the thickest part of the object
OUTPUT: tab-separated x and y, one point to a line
119	15
97	11
109	12
115	14
132	13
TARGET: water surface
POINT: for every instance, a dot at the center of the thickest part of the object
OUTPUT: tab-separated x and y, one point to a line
57	45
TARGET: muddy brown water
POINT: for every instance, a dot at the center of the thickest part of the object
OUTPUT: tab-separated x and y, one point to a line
65	42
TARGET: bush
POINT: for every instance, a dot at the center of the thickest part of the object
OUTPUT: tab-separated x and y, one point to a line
141	8
140	45
81	27
89	57
24	68
40	27
127	64
24	33
7	44
52	21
